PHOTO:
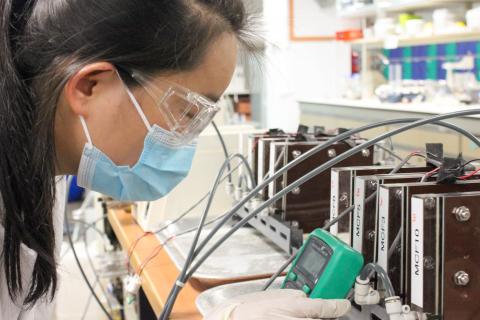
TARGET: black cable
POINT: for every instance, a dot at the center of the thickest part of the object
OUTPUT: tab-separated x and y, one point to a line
97	277
85	278
87	305
89	258
468	162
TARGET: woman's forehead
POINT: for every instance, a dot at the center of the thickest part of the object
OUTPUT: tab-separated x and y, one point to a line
213	75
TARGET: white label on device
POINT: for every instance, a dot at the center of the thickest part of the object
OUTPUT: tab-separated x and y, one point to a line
334	200
261	157
382	245
250	150
417	252
359	201
272	159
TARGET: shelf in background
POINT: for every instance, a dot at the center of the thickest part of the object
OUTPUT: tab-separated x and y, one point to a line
396	6
359	12
412	41
374	104
407	5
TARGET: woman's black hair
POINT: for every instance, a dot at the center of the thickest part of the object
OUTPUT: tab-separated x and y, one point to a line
42	45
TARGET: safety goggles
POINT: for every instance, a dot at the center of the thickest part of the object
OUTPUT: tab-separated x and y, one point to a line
185	113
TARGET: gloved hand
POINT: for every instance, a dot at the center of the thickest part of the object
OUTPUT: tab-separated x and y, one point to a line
282	304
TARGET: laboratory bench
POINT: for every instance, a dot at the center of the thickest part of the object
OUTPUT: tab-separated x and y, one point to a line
259	259
159	275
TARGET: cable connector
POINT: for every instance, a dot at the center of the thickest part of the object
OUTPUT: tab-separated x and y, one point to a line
451	169
364	293
133	283
78	214
241	193
229	188
256	202
238	194
396	311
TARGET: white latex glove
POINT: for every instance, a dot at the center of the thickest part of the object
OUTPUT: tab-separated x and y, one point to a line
281	304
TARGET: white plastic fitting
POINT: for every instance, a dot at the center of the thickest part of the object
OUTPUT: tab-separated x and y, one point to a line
133	284
365	294
229	188
396	311
78	214
255	203
238	194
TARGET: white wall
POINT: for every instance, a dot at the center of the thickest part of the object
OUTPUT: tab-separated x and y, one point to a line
300	70
280	107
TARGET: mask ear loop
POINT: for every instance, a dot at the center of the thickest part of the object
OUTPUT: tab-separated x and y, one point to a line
139	109
87	133
136	104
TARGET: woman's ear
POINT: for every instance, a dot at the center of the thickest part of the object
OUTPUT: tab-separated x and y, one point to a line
85	89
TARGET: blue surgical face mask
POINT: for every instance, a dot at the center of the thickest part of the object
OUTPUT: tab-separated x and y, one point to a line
163	164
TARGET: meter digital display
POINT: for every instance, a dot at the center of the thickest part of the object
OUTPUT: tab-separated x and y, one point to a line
312	262
325	267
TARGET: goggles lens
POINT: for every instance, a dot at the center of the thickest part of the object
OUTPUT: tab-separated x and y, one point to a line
186	113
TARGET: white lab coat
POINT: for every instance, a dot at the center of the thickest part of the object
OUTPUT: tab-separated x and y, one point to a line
10	310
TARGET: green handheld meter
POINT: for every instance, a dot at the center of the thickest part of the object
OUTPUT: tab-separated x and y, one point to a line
325	267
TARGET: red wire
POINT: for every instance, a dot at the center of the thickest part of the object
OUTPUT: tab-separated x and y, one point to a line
132	247
432	172
469	175
154	253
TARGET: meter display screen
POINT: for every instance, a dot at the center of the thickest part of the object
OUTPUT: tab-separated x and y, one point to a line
312	261
324	268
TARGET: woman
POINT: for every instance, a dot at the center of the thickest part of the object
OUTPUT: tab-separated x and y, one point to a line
114	91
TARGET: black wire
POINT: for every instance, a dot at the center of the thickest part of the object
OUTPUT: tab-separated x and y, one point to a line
461	167
85	278
224	147
97	277
467	163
